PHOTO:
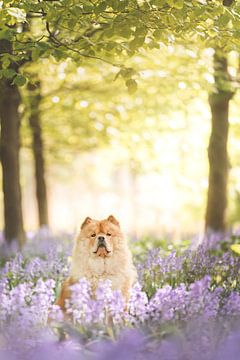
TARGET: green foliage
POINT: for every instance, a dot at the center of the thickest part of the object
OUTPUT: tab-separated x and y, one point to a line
147	243
236	248
19	80
187	266
132	86
8	73
110	30
84	109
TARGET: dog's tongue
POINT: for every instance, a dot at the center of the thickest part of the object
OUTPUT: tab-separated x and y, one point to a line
102	251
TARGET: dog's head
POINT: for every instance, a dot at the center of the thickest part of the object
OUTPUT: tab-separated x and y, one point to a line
103	237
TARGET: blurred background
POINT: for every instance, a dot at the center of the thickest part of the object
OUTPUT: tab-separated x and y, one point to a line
141	156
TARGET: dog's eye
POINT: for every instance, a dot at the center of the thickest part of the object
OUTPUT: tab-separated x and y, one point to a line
108	234
93	235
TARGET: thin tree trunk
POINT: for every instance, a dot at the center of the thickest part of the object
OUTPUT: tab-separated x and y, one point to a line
37	147
217	150
9	147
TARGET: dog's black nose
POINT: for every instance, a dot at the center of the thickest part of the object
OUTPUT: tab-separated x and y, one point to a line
101	239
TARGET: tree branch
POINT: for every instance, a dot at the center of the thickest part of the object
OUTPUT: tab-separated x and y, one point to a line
58	42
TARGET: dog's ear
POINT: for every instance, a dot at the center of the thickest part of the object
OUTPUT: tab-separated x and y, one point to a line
88	220
113	220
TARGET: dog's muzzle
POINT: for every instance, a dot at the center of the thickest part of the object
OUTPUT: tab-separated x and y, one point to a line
101	244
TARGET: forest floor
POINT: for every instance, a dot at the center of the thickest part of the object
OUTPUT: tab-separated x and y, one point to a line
186	304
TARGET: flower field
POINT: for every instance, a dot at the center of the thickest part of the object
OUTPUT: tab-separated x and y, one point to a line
186	304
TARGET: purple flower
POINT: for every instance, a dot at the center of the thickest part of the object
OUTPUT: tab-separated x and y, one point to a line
138	303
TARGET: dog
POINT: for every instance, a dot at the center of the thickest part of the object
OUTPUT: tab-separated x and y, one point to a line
100	252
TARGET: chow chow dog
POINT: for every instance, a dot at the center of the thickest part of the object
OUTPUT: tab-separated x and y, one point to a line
100	252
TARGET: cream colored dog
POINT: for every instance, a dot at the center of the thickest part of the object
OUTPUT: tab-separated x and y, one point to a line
100	252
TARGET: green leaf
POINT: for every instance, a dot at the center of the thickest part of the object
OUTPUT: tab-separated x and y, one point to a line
19	80
124	31
8	73
132	86
236	248
6	34
153	45
87	8
122	27
109	33
122	4
43	46
5	62
35	54
141	31
158	34
159	3
110	45
170	2
224	20
101	7
127	73
178	4
236	24
212	32
137	42
59	54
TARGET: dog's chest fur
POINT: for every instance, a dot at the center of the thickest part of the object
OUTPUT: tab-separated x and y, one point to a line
102	266
98	268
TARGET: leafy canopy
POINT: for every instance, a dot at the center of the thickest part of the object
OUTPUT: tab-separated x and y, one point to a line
110	30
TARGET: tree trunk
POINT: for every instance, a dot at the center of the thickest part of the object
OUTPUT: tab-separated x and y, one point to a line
9	147
217	150
37	147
